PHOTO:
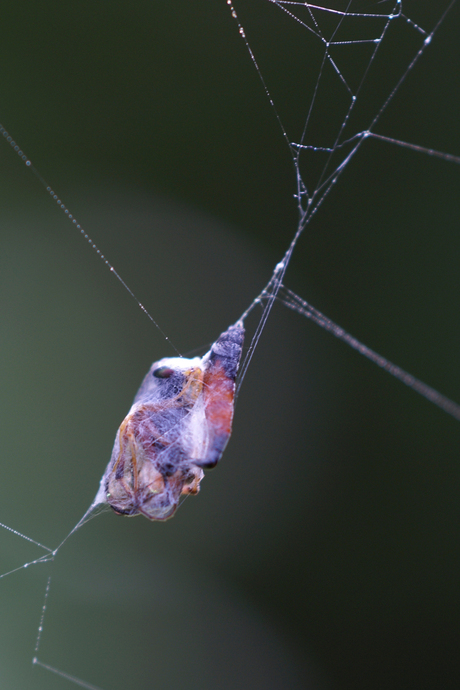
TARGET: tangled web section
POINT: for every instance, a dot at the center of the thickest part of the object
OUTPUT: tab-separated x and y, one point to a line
332	33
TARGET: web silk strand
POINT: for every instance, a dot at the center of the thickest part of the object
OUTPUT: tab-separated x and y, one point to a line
293	301
55	197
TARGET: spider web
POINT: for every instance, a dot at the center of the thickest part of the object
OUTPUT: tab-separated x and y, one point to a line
320	152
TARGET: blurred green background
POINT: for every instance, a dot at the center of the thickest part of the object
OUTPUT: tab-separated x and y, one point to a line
323	551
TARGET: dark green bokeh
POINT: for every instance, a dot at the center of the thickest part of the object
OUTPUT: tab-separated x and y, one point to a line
322	552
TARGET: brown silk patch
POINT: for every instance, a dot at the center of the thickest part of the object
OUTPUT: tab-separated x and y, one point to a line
219	395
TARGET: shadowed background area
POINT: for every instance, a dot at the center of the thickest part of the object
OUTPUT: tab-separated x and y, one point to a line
322	551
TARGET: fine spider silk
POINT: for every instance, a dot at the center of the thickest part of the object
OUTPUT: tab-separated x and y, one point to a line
178	425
